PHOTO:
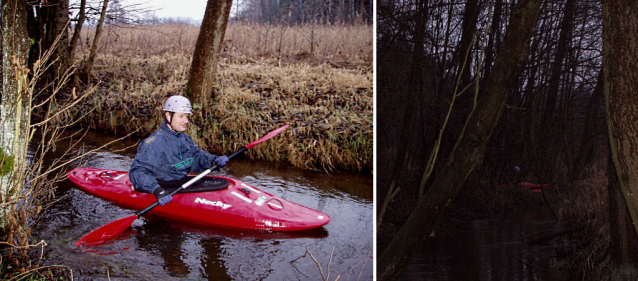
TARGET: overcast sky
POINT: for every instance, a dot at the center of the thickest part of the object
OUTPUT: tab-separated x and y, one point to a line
175	8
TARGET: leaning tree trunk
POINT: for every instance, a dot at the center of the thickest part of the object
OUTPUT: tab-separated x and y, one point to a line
78	28
93	52
620	62
469	147
211	35
14	106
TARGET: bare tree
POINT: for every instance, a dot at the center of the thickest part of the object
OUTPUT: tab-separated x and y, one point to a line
78	27
209	42
469	147
88	66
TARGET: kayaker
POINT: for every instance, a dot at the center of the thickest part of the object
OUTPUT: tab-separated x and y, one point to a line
165	158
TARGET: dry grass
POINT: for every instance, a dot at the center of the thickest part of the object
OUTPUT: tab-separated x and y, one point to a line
586	207
350	44
329	108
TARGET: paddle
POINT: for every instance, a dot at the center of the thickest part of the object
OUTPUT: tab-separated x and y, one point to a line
114	228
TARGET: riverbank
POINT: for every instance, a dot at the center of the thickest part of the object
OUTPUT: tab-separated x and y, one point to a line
562	232
328	103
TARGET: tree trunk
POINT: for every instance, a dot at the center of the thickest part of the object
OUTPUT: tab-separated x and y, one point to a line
14	106
469	147
494	37
624	242
211	35
620	60
414	88
554	91
463	55
98	31
78	28
47	22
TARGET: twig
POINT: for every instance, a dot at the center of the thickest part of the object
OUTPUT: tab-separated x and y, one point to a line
41	268
318	264
364	263
330	261
295	266
24	247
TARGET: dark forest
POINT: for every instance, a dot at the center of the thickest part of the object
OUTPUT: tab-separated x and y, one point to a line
446	69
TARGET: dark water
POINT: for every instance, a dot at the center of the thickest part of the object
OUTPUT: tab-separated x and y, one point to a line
494	249
160	249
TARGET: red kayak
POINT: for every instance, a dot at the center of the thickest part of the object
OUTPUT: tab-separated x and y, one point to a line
235	205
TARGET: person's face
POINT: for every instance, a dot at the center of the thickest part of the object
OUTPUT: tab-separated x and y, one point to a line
179	121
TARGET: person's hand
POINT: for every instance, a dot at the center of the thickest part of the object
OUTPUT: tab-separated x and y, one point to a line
221	161
162	196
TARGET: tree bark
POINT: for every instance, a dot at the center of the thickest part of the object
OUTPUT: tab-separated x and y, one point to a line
211	35
494	38
47	24
623	240
554	91
14	106
469	147
463	56
78	28
620	61
98	31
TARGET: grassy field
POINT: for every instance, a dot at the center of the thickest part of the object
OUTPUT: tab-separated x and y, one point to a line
268	76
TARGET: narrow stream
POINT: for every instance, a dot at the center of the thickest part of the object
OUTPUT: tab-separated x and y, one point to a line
161	249
490	249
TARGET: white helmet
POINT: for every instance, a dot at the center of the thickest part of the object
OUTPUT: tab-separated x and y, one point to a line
178	104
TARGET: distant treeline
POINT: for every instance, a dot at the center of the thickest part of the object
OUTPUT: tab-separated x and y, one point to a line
287	12
305	11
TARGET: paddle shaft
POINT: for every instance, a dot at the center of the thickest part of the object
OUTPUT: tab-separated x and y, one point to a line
190	182
214	167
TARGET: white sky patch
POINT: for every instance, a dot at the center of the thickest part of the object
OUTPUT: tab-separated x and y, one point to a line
174	9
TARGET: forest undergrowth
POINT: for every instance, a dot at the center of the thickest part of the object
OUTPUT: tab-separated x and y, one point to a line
581	208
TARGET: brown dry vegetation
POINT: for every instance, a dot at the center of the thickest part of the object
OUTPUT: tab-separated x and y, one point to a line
336	44
266	78
582	208
586	252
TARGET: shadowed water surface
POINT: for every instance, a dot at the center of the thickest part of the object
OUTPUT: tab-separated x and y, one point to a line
161	249
494	249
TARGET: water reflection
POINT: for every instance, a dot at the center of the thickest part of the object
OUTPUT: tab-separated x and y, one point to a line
213	268
158	236
493	249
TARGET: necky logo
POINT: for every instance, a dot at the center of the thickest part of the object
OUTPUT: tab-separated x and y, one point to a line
213	203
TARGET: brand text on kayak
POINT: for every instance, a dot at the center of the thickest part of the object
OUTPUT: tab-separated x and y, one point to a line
213	203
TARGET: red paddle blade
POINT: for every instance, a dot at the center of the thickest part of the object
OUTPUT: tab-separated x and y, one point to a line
106	232
267	136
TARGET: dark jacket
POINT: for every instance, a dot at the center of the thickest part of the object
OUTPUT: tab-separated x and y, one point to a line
166	156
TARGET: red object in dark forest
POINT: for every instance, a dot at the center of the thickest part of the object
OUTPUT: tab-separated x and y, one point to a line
534	187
